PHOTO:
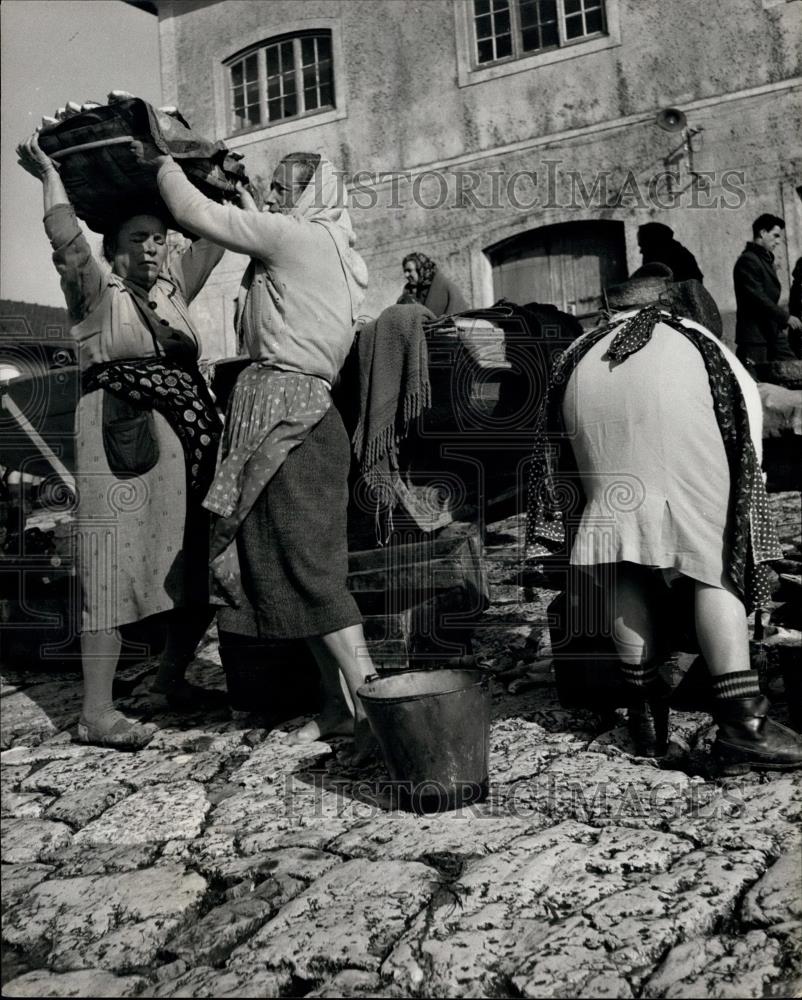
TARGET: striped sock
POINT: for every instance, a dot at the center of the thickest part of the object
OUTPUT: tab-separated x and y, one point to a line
639	675
738	684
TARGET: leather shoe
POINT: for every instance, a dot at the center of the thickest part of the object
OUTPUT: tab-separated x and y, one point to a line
748	739
647	722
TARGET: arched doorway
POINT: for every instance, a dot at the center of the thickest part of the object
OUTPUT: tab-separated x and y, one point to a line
567	265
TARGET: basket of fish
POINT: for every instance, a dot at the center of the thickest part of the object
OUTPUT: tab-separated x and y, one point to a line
91	145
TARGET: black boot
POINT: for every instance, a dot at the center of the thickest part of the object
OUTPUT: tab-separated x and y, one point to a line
748	739
647	721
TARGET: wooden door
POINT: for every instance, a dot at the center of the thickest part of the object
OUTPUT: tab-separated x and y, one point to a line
567	265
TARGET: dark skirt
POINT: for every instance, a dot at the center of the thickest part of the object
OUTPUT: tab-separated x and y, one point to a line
293	547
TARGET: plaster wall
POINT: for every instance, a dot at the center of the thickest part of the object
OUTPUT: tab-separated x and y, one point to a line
733	66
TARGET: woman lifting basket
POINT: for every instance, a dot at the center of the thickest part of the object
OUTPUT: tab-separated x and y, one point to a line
146	438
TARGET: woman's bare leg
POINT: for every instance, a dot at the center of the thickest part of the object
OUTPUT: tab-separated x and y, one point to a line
344	664
722	629
100	722
633	617
100	652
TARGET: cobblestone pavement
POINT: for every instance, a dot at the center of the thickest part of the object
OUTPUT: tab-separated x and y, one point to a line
222	861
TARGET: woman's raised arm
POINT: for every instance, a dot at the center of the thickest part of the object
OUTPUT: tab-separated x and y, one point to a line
82	278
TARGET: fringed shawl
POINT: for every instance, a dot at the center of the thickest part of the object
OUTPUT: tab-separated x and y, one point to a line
394	384
394	390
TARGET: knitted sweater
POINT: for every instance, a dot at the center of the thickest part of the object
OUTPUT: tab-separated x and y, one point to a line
295	307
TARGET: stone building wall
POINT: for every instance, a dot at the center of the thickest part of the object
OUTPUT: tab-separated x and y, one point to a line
410	108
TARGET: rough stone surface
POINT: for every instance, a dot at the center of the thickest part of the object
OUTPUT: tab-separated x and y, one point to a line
140	770
777	897
163	812
213	938
17	880
77	808
207	982
738	967
31	716
122	918
26	805
32	839
347	918
225	861
76	861
353	983
86	983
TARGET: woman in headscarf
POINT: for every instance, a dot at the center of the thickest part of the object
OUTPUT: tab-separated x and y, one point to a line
279	541
427	285
146	438
665	432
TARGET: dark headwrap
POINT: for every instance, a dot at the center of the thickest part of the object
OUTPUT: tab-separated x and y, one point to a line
426	272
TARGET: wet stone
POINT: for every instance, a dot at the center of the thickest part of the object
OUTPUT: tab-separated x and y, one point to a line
202	739
214	850
520	749
777	800
600	789
286	873
316	834
249	811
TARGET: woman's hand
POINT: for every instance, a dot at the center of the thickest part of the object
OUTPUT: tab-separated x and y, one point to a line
147	154
32	159
246	199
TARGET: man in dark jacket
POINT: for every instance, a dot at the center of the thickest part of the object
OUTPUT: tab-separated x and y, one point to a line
795	307
760	327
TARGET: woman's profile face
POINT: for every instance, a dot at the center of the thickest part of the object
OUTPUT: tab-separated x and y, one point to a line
411	272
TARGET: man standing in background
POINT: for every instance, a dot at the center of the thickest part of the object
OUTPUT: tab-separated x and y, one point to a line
760	326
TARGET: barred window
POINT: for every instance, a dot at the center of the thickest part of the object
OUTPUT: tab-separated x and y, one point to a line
509	29
283	78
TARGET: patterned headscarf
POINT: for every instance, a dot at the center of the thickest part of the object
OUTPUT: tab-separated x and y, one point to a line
426	272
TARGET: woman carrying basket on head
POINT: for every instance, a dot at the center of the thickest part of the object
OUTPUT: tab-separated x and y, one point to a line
281	491
146	438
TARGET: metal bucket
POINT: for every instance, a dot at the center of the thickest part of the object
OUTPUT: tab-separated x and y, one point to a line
433	728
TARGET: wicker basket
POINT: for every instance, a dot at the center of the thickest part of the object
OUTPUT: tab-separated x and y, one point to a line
103	179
